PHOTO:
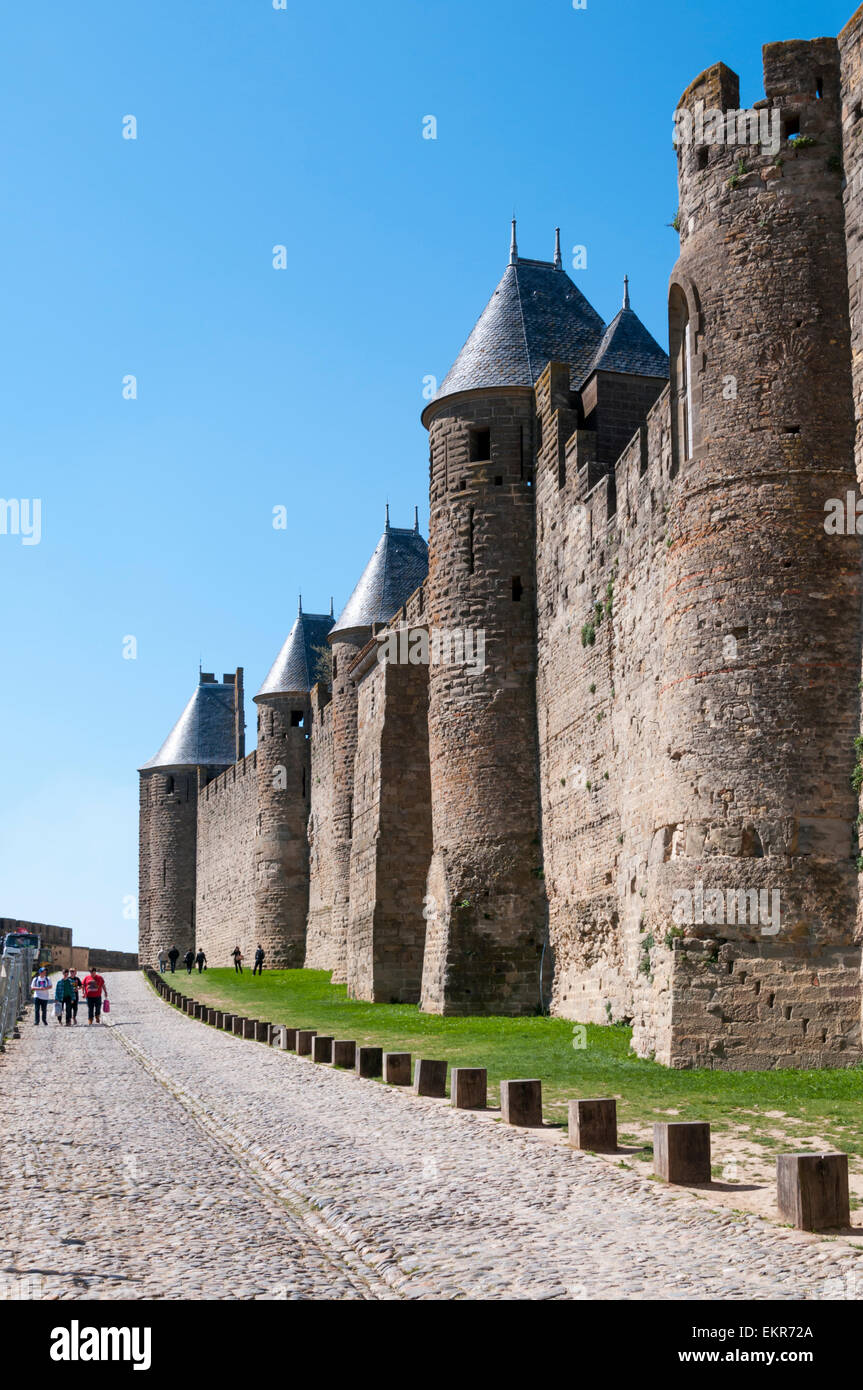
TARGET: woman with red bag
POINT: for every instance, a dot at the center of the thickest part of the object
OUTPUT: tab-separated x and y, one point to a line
94	989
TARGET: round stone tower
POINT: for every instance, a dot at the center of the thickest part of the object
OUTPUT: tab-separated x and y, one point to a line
398	566
207	738
761	630
284	792
486	908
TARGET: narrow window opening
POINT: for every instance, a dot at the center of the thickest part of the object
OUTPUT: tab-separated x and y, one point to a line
164	872
819	89
480	446
335	667
170	785
680	335
296	718
470	556
517	589
462	487
703	157
498	482
790	127
561	471
521	451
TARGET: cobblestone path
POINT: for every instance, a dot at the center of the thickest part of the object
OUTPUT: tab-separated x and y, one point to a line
157	1158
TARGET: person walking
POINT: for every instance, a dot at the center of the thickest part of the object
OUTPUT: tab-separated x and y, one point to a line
64	995
200	961
238	960
173	957
41	990
59	996
94	989
258	967
76	983
163	961
189	961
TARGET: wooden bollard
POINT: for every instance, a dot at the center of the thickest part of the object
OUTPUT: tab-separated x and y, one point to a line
262	1031
812	1191
249	1026
283	1038
228	1022
468	1088
521	1103
212	1017
238	1025
397	1068
304	1041
291	1036
369	1061
681	1151
429	1078
593	1125
344	1052
322	1048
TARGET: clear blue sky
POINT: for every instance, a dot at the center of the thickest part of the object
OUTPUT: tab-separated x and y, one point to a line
259	387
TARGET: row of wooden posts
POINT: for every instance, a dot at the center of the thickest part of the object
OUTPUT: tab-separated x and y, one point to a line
812	1189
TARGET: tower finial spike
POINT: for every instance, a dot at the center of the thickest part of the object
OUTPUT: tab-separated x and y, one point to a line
416	518
626	291
388	516
332	610
558	262
300	605
513	246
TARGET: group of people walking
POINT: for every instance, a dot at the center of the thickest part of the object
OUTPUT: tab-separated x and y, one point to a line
66	995
191	959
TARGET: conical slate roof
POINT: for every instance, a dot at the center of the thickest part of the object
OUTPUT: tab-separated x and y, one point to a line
398	566
203	736
535	316
628	347
294	669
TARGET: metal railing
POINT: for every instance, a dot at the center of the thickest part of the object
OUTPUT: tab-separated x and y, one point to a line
15	970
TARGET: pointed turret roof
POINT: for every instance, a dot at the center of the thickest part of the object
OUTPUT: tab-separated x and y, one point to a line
204	735
398	565
294	670
535	316
628	347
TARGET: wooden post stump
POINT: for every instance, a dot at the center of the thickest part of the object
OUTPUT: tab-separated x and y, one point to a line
397	1068
212	1017
228	1022
291	1035
681	1151
369	1061
322	1048
429	1078
249	1026
283	1038
812	1191
344	1052
262	1031
304	1041
593	1125
521	1103
468	1088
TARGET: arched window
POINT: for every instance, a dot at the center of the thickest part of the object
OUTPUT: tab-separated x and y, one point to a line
680	343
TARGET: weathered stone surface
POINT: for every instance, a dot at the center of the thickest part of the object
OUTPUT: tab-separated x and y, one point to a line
593	1125
429	1077
681	1151
397	1068
322	1048
521	1103
812	1191
369	1061
344	1053
469	1088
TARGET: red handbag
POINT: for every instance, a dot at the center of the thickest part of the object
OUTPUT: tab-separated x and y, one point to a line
106	1007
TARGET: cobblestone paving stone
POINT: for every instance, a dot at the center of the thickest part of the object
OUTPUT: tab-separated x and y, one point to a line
192	1164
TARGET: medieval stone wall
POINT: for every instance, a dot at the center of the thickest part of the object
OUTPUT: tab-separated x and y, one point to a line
227	822
487	919
169	810
391	844
281	843
321	951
